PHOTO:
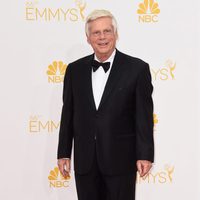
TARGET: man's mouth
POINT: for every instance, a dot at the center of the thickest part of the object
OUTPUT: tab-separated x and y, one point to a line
103	44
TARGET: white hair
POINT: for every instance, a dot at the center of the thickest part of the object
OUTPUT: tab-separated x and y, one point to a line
98	14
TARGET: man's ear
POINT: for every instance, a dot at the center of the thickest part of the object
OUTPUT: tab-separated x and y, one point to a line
88	39
116	35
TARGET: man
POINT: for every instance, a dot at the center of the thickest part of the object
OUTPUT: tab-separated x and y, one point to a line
108	111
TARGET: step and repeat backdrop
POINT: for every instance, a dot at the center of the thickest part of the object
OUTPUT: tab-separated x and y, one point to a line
38	39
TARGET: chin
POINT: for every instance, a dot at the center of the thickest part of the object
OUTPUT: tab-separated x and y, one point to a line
104	51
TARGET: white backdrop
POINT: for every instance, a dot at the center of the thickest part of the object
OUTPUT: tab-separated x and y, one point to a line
37	36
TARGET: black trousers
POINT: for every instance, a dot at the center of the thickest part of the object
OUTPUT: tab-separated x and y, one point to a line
96	186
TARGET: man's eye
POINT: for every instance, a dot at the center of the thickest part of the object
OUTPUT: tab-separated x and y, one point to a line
107	31
96	33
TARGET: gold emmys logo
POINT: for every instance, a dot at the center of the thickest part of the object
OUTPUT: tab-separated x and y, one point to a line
162	176
56	179
56	72
37	125
148	11
164	73
35	13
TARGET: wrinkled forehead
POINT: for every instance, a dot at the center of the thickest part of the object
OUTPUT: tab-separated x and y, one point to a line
100	23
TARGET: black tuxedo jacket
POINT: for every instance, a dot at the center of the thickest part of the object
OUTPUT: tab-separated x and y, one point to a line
122	127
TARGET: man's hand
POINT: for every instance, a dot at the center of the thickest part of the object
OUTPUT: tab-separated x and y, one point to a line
64	166
143	167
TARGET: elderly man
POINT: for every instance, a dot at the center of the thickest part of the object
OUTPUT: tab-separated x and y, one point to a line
108	111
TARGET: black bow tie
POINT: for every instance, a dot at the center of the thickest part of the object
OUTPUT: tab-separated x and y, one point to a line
96	65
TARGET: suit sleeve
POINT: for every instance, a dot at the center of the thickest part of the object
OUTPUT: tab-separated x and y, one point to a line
66	124
144	116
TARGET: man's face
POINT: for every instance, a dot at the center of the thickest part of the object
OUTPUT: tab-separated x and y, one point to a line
102	37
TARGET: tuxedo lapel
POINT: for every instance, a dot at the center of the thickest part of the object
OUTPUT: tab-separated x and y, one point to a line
113	78
88	81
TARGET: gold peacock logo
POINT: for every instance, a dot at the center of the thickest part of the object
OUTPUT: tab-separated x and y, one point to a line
155	119
148	11
56	72
148	6
56	179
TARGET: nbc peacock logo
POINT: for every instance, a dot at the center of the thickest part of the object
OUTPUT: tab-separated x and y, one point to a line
56	72
148	11
155	120
56	180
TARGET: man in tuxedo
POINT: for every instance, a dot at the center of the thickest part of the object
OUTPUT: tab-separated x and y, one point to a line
108	113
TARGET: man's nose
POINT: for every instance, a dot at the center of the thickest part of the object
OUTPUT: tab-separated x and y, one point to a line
102	35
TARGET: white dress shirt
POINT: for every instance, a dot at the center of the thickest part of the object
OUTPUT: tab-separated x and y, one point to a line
99	79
